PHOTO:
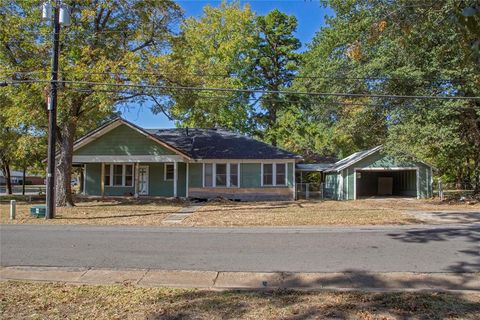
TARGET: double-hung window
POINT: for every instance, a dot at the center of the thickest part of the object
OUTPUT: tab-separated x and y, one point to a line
267	174
208	175
280	174
221	175
128	175
233	174
274	174
169	172
118	175
107	175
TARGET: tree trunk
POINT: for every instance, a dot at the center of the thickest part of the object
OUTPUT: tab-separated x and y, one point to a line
24	178
63	192
8	178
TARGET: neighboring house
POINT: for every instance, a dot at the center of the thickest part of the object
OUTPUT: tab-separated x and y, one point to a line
122	159
374	173
17	177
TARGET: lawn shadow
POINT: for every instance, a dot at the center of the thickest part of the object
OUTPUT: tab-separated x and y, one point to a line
299	305
60	217
129	201
452	216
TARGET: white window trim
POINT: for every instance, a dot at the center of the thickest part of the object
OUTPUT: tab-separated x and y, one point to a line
214	174
165	171
124	174
274	175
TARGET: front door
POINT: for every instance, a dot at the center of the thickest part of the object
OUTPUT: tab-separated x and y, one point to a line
143	180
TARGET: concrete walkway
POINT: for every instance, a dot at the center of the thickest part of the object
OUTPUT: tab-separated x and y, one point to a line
394	281
181	215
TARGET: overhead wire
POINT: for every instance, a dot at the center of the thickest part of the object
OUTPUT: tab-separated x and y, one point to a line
257	91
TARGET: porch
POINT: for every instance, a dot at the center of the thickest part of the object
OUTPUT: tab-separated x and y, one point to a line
114	178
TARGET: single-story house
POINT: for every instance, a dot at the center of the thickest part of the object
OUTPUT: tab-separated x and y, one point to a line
373	173
122	159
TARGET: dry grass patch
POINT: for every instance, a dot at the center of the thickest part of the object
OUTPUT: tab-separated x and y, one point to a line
359	212
22	300
121	212
296	214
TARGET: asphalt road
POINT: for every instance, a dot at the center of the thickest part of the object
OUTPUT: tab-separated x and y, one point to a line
387	249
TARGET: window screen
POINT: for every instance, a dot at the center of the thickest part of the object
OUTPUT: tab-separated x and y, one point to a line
208	178
233	174
106	176
117	174
169	172
221	175
268	174
280	174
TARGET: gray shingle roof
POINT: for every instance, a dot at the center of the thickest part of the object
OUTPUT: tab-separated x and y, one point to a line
218	144
351	159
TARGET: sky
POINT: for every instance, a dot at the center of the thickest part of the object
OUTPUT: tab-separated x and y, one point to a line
310	15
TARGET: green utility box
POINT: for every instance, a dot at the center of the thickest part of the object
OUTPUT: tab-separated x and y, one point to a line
38	211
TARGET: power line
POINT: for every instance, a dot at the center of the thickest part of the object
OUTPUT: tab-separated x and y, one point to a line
231	75
216	97
283	92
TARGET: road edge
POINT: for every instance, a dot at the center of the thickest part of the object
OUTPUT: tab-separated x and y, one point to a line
220	280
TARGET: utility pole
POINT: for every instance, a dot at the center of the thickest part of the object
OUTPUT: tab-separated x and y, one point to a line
61	15
52	116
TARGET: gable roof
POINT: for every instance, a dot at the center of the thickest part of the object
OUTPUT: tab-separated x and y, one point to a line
198	143
360	155
219	144
112	124
351	159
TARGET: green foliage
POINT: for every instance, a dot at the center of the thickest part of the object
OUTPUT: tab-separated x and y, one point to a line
399	48
229	47
106	40
211	51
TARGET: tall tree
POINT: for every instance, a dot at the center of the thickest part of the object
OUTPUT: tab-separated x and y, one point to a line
273	66
400	48
229	47
210	52
108	41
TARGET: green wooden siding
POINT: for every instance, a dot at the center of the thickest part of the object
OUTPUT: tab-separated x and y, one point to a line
123	140
93	185
181	181
405	181
157	185
195	172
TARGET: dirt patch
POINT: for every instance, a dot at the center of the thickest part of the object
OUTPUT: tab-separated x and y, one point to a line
22	300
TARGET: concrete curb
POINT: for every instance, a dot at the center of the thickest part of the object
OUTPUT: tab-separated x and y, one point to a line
344	281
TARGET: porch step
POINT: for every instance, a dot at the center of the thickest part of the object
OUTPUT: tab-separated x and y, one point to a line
181	214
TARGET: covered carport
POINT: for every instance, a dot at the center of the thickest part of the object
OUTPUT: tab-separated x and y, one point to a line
374	173
379	182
